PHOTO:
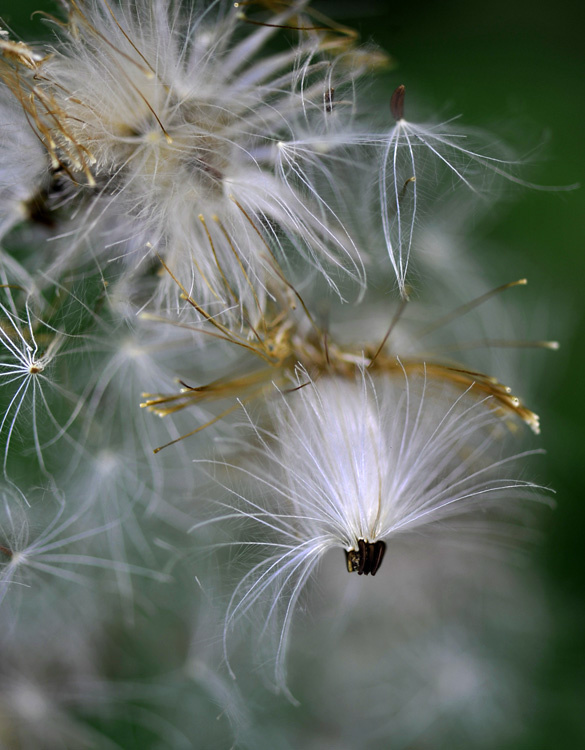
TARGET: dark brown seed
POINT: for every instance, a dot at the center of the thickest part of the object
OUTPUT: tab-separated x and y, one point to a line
378	556
329	100
366	559
362	549
397	103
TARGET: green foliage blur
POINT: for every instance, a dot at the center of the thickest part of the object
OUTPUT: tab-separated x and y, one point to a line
518	69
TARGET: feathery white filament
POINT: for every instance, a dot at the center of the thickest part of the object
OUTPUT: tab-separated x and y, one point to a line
349	461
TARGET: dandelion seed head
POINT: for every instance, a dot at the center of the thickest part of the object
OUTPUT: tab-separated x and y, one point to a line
213	158
161	115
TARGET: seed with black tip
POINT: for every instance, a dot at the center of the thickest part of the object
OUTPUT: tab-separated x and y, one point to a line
366	559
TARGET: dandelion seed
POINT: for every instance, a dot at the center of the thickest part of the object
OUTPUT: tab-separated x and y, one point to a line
351	465
26	372
26	557
408	149
416	164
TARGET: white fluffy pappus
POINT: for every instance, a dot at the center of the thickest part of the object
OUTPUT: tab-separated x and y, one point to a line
23	164
350	465
417	165
170	123
47	545
29	348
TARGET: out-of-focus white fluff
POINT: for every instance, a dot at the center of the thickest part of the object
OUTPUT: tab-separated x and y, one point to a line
24	165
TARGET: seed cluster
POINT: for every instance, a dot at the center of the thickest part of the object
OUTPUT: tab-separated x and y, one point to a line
198	210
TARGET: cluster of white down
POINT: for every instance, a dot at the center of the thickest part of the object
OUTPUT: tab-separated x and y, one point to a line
173	125
186	143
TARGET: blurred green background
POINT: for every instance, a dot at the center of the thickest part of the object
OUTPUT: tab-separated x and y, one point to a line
517	69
